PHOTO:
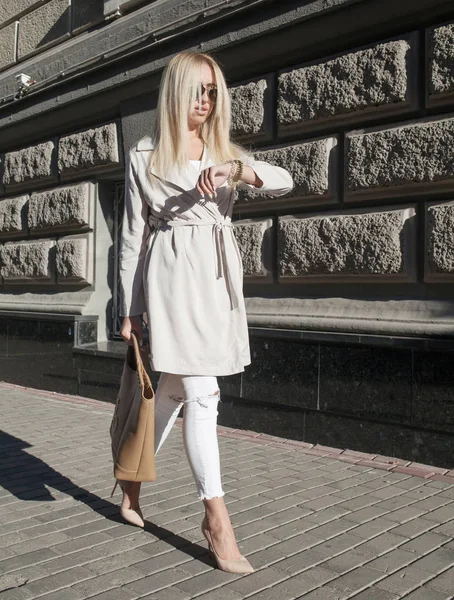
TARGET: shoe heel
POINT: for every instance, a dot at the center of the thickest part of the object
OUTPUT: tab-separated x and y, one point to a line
114	488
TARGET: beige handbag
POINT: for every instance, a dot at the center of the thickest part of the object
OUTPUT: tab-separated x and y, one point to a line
132	427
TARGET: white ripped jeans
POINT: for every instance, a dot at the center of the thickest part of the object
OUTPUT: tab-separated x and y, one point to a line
200	397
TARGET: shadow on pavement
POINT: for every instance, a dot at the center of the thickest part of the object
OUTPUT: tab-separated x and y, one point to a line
27	477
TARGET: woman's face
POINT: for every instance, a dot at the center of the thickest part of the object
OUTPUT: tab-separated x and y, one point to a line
200	111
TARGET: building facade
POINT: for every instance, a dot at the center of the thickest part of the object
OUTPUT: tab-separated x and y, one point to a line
349	280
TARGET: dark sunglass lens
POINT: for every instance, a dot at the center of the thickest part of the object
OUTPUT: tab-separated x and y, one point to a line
212	94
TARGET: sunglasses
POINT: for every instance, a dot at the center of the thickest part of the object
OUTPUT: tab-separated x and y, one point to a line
211	90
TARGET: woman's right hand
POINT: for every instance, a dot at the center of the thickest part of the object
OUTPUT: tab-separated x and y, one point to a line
131	324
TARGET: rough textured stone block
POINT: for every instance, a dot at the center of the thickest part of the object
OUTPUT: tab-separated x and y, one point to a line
27	261
29	164
439	241
74	259
43	27
350	85
62	208
441	63
251	109
367	244
86	13
12	216
10	9
254	241
409	159
8	45
312	167
92	149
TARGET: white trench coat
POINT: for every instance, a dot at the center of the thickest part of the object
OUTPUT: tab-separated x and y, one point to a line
180	263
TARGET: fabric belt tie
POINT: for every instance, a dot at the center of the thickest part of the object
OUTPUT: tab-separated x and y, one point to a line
222	270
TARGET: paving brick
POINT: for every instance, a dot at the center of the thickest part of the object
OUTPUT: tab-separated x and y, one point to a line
426	542
69	594
58	581
374	593
296	586
346	561
255	582
424	593
170	593
413	528
300	561
392	561
281	550
203	583
339	544
115	594
383	543
436	561
356	580
403	581
444	582
440	515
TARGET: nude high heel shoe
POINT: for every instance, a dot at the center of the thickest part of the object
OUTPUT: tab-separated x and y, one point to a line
134	517
239	565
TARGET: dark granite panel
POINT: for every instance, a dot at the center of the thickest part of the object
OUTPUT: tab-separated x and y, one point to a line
282	372
20	334
101	364
101	386
427	447
368	382
388	439
230	385
3	337
87	332
56	332
285	422
433	404
60	384
340	431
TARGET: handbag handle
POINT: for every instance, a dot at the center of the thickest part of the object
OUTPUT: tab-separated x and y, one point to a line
142	374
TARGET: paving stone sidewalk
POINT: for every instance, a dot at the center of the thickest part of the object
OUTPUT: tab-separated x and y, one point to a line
315	525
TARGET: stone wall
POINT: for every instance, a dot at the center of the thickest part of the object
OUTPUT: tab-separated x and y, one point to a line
28	27
47	227
368	162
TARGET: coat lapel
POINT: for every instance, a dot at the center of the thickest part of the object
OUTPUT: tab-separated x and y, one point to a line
184	179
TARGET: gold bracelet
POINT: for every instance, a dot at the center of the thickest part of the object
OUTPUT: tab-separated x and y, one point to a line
236	171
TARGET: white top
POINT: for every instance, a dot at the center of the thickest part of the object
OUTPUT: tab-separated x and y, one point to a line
186	270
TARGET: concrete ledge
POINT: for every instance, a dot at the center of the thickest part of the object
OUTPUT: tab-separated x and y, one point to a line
419	318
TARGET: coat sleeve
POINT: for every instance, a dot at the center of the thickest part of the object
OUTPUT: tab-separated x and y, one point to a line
133	246
276	180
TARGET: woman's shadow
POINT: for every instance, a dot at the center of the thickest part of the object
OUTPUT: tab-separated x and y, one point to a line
27	478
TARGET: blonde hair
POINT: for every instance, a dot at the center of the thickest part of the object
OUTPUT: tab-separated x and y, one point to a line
179	89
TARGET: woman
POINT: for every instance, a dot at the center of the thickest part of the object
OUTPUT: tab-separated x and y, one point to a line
180	263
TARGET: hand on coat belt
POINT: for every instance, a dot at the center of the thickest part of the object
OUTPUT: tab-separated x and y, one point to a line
222	266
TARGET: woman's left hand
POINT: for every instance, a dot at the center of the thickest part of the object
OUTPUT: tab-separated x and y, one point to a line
212	178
